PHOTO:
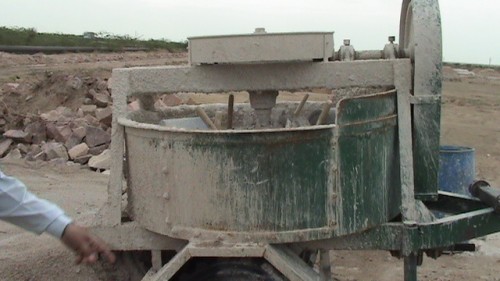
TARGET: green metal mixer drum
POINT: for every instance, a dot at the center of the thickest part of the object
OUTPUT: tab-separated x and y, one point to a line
272	184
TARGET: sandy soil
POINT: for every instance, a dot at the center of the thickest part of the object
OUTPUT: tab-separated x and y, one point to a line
470	117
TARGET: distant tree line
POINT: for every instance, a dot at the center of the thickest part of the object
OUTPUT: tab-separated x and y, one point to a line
19	36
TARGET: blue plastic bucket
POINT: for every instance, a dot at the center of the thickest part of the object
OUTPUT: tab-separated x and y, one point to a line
457	169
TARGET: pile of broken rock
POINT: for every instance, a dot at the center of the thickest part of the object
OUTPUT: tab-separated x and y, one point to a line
62	135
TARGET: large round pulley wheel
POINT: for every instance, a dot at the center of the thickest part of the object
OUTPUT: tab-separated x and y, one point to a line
406	44
420	38
231	270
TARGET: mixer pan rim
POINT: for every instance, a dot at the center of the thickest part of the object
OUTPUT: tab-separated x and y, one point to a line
127	122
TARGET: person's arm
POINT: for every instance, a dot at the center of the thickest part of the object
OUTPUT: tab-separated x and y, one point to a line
24	209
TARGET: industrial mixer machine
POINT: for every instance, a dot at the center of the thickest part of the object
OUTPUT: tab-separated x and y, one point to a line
263	190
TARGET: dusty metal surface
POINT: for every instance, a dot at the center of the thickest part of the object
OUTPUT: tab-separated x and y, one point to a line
367	185
270	177
261	47
280	256
420	37
230	181
267	185
254	77
272	185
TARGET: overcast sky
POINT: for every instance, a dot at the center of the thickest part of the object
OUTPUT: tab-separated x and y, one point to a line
471	28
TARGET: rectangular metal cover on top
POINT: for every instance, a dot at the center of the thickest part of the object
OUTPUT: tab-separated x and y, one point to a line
261	48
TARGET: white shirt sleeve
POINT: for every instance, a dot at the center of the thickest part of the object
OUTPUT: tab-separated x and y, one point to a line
24	209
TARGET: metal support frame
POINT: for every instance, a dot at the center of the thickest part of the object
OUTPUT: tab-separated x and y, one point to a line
145	81
142	82
280	256
414	234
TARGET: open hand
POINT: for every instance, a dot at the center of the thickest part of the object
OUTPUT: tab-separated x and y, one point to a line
86	246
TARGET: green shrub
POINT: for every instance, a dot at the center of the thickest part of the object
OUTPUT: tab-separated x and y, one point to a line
30	37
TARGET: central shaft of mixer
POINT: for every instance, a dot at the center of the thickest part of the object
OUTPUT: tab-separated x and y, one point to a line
263	102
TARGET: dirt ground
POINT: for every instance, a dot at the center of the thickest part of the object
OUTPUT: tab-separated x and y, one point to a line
471	114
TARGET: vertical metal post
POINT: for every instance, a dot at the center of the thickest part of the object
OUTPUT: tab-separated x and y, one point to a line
111	213
402	81
156	260
325	268
410	265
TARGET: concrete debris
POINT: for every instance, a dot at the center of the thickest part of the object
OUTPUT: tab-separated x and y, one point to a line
75	83
18	135
68	133
55	150
59	115
53	132
104	115
168	100
98	149
23	148
58	161
35	154
171	100
102	99
87	101
90	94
4	146
59	133
38	132
78	151
76	137
77	130
65	111
88	109
102	86
101	161
96	136
82	160
73	141
79	113
80	132
91	120
65	132
80	122
14	154
35	148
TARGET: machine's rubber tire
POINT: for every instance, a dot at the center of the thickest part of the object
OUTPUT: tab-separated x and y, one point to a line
231	269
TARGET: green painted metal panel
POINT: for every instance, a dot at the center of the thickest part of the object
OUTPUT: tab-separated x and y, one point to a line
234	181
426	134
427	82
467	218
454	229
368	177
282	179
